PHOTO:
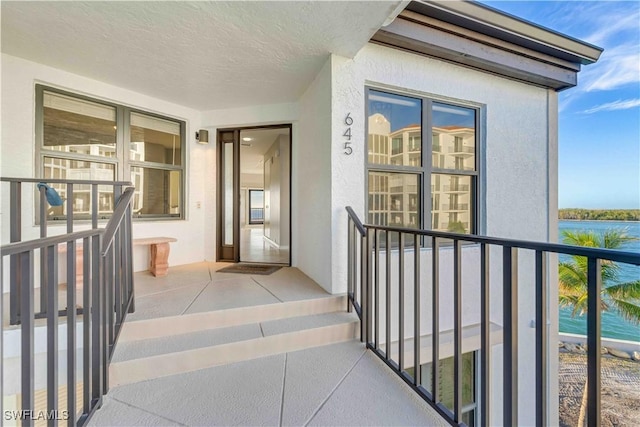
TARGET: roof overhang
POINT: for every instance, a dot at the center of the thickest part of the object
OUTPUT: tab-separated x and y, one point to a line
477	36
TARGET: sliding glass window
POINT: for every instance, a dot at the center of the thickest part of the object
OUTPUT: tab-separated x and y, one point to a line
422	163
84	139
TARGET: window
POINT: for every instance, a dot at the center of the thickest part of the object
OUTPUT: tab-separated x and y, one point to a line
419	161
85	139
256	206
446	386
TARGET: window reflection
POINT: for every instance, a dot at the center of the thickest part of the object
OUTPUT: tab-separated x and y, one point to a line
395	123
454	137
157	191
451	203
80	170
154	140
395	167
393	199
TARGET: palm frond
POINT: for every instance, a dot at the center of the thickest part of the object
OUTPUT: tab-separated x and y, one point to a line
616	238
624	291
628	310
582	238
572	277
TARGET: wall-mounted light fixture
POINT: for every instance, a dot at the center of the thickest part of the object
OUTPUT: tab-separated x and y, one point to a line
202	136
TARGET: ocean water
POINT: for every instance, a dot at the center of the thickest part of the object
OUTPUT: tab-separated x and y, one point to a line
613	326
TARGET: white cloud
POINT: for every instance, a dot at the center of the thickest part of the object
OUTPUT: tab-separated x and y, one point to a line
615	105
618	66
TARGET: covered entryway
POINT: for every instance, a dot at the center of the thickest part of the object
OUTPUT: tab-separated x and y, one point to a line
254	195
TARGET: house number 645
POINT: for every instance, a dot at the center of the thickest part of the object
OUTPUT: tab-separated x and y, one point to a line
347	134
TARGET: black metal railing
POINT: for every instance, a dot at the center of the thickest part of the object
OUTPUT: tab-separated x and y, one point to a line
107	296
365	260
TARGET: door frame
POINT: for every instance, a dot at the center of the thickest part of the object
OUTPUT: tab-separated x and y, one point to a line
225	253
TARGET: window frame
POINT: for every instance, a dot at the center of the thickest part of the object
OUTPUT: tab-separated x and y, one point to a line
251	190
427	169
122	162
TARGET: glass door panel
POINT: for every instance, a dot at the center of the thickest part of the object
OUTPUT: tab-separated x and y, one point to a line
228	179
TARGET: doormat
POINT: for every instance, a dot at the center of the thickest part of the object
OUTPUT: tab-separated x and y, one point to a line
250	269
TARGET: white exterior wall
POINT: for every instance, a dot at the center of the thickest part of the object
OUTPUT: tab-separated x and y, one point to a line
312	165
517	173
19	78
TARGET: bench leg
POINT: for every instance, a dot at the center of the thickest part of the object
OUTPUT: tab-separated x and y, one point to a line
159	259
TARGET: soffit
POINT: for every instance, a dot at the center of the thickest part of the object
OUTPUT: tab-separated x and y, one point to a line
204	55
486	20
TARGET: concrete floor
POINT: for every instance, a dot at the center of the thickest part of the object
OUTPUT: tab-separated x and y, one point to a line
335	385
196	288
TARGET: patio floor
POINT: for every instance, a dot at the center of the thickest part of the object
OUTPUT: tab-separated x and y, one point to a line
334	385
196	288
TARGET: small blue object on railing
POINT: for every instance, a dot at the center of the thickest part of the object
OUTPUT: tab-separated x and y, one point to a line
53	198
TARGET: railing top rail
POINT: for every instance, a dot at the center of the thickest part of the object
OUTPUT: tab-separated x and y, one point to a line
356	221
600	253
27	245
64	181
116	218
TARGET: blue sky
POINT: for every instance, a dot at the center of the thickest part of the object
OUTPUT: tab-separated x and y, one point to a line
599	120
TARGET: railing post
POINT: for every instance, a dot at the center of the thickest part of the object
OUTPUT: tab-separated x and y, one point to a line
71	313
541	339
416	312
15	235
376	287
27	333
457	330
401	301
354	268
594	283
43	270
485	338
87	298
51	263
388	297
349	265
130	288
107	315
364	306
369	288
97	324
510	320
435	336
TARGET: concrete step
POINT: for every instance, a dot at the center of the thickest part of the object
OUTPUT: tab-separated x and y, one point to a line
146	359
188	323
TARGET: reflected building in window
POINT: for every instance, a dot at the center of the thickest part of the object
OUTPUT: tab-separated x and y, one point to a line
393	198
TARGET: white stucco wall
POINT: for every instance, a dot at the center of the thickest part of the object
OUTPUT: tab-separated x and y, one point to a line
517	177
18	152
312	166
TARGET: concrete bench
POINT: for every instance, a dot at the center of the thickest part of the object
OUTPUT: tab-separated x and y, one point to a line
158	253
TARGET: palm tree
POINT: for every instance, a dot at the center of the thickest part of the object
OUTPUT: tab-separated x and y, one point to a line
623	298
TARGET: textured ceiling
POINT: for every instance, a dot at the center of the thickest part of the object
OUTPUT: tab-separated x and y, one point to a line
204	55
